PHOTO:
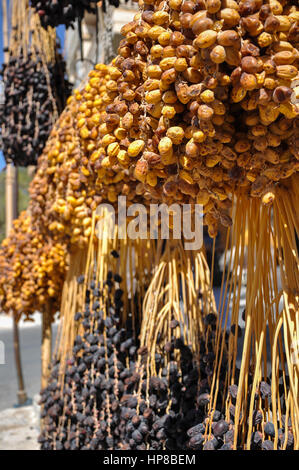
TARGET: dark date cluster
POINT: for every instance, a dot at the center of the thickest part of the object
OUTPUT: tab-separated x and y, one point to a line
105	399
35	93
57	12
222	429
108	401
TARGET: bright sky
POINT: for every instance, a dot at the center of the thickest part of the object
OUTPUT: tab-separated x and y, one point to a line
60	32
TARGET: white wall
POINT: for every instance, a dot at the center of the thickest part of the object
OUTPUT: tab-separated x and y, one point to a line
78	70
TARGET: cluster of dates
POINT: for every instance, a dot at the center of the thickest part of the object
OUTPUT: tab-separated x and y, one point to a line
104	399
108	402
35	93
32	269
70	182
57	12
206	101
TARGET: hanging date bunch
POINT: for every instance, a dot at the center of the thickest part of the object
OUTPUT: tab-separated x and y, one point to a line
36	88
108	402
56	12
105	395
110	398
33	266
207	92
